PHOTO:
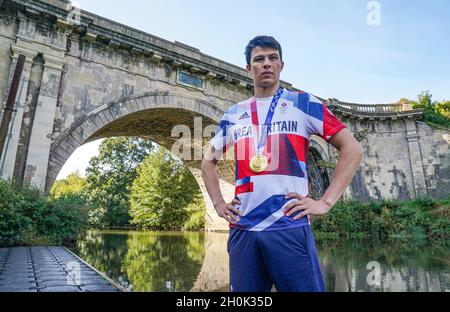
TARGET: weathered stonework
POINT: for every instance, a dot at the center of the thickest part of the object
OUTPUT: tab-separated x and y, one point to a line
28	119
101	79
8	157
435	146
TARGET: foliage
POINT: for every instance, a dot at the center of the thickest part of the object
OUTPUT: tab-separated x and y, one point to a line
435	113
29	218
196	212
13	224
162	192
109	177
73	184
361	135
423	217
323	164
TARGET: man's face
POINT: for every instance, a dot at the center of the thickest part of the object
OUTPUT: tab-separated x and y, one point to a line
265	66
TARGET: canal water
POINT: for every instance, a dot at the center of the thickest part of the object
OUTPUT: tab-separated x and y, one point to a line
193	261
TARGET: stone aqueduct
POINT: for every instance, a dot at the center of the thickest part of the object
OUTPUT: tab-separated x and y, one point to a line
93	78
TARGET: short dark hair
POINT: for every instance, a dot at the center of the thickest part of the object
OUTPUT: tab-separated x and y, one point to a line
263	42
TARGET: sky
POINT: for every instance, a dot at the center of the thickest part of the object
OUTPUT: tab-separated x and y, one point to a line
353	50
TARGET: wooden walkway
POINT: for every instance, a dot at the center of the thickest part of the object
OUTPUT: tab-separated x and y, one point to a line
49	269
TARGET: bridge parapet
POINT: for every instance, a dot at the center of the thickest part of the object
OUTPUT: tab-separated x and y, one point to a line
375	111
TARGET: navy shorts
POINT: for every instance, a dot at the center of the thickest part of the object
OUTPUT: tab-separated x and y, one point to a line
286	258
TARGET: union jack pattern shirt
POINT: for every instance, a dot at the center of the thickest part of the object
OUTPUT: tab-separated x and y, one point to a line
297	116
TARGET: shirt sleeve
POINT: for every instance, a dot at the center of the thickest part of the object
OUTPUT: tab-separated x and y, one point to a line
223	139
321	120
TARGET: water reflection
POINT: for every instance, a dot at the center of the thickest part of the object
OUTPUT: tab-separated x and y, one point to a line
146	261
190	261
396	265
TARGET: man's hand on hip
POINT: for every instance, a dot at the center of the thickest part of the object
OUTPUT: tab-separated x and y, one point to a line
228	211
308	205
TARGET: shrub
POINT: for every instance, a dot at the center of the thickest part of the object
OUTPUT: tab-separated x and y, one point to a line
423	217
29	218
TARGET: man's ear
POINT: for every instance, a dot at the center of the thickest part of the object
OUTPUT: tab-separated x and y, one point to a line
249	69
282	65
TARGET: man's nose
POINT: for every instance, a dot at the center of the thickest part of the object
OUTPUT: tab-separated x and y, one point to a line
266	63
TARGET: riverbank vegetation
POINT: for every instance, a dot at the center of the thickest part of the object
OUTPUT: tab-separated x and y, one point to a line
134	184
29	218
423	217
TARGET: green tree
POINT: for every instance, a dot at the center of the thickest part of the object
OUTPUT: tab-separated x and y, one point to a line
73	184
443	108
162	192
434	113
109	177
196	212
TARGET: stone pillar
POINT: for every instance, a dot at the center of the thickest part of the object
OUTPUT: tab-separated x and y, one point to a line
41	133
415	158
8	158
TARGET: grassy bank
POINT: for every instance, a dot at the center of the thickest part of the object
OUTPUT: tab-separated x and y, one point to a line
424	217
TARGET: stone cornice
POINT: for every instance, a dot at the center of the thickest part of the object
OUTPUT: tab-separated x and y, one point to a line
54	62
29	54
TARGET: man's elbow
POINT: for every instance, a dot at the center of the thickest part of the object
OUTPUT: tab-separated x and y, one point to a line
353	149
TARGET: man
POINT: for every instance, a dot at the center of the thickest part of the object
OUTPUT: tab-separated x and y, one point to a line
270	240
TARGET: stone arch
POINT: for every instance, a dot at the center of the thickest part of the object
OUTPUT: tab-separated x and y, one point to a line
151	115
319	178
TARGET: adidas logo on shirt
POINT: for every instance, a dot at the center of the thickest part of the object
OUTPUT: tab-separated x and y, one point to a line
244	115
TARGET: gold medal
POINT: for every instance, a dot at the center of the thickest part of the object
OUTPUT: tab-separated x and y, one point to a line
259	163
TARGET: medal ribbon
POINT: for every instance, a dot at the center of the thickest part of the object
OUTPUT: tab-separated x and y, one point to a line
263	137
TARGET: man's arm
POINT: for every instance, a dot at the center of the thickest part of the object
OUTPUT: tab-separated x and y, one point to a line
350	155
209	174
